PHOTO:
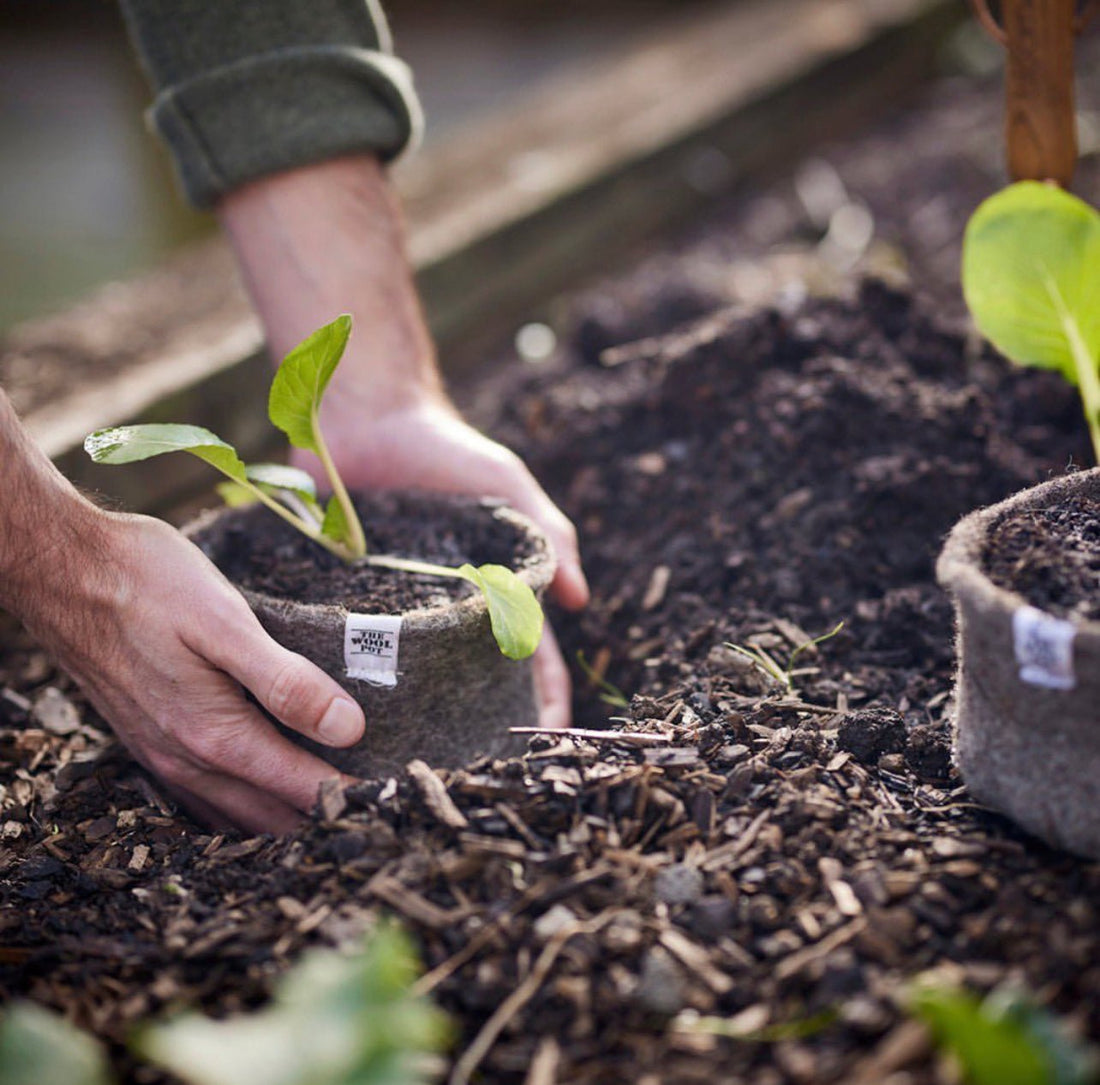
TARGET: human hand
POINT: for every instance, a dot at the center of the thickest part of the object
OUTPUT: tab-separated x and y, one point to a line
424	444
325	239
165	648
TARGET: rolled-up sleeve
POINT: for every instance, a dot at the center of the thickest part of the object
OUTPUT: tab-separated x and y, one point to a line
245	88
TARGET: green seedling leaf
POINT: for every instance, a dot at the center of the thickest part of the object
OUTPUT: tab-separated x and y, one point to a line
38	1047
1031	276
1001	1040
129	444
280	476
235	495
334	1020
610	694
514	611
1031	264
813	642
290	485
300	383
294	405
335	524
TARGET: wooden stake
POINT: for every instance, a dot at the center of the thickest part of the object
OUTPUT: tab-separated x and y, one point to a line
1040	128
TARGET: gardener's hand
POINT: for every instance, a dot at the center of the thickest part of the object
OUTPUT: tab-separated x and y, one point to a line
325	239
165	649
427	446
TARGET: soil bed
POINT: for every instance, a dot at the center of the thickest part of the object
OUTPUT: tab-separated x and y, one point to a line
748	480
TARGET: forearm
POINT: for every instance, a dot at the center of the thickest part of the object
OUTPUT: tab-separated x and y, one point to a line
326	239
47	529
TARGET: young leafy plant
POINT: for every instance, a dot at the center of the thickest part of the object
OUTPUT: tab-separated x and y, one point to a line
294	405
333	1020
768	666
1031	278
40	1046
1003	1039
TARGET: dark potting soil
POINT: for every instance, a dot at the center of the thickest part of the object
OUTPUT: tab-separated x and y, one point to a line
1051	557
258	551
784	853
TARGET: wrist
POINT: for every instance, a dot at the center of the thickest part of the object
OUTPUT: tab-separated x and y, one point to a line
328	239
55	561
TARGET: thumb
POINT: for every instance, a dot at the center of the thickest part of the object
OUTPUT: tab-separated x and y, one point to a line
295	691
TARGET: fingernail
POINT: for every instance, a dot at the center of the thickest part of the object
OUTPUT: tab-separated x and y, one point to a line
340	725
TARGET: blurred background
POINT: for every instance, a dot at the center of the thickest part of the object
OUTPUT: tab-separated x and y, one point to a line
87	194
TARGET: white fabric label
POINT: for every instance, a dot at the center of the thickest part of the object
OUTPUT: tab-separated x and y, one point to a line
370	647
1044	649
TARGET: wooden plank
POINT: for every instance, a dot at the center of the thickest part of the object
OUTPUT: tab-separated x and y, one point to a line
500	216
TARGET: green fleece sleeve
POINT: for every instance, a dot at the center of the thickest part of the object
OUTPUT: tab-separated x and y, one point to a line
244	88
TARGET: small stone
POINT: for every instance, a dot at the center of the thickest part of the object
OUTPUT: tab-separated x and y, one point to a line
679	884
138	858
712	917
892	762
55	712
557	918
661	988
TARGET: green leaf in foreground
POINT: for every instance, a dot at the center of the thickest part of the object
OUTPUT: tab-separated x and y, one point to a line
129	444
1031	277
38	1047
1001	1040
514	611
334	1020
300	383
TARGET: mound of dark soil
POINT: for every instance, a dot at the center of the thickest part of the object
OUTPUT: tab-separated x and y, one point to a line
788	845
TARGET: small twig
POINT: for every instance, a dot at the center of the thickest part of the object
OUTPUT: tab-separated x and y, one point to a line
803	706
435	795
431	980
629	738
484	1040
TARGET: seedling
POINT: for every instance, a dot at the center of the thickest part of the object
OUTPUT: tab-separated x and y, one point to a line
294	405
1003	1039
333	1020
610	694
1031	277
767	664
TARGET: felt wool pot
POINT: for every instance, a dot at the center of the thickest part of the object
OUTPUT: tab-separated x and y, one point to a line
1027	728
432	681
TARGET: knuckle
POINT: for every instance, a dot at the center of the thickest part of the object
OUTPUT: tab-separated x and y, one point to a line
212	745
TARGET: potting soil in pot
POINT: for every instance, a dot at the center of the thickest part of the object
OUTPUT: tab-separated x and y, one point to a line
1051	557
276	559
796	855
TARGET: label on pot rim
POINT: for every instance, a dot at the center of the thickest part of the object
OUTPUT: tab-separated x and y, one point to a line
1044	649
370	647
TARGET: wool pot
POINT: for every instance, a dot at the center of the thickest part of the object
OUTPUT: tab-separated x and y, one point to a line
1027	727
431	680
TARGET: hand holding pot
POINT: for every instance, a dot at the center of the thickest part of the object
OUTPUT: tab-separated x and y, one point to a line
428	446
326	239
165	648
